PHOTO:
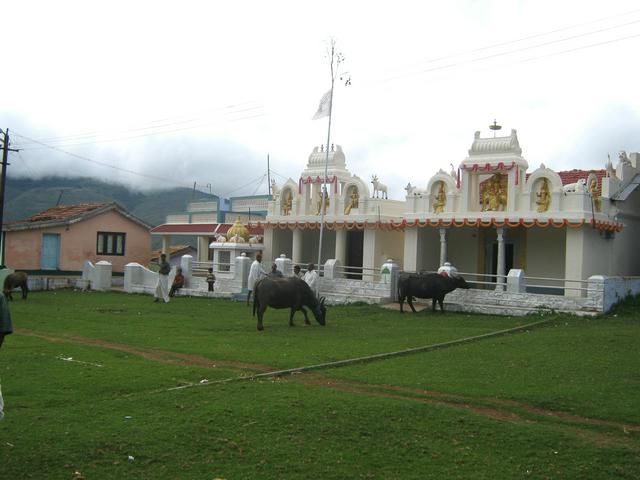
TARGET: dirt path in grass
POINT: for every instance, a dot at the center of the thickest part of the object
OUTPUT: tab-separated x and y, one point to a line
162	356
494	408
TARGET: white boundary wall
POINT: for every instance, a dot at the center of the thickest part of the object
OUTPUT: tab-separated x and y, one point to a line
601	295
95	277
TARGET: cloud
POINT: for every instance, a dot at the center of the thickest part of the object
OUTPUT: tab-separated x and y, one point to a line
178	101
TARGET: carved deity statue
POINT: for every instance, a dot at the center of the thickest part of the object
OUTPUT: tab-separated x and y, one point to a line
286	207
319	202
439	199
593	190
494	196
353	203
544	197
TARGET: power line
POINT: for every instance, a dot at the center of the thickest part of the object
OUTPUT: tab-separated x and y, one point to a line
259	179
159	132
582	47
161	124
529	37
158	123
87	159
517	50
26	165
279	174
259	184
133	172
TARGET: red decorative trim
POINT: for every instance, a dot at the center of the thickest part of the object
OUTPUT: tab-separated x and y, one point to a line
309	179
398	226
488	168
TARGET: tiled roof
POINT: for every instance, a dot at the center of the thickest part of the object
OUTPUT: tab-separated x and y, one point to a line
173	250
572	176
67	215
186	228
63	212
201	228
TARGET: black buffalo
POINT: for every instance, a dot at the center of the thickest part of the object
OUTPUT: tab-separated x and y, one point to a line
15	280
289	292
427	285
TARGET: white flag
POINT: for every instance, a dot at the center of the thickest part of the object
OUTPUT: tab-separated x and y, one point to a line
323	109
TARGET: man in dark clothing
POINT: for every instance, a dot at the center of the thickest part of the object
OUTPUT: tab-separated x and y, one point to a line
275	273
178	282
6	328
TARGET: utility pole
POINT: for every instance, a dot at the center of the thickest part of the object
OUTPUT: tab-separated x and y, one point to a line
5	157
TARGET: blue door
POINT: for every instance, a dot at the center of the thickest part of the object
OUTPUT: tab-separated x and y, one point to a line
50	251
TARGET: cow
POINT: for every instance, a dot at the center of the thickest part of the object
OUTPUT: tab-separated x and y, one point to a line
15	280
288	292
427	285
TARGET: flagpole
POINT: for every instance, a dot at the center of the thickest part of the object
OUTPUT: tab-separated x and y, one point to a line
326	159
324	180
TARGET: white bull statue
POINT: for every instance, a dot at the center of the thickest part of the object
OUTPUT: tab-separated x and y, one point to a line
378	188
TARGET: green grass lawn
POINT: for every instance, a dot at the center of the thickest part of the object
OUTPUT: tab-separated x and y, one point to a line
88	377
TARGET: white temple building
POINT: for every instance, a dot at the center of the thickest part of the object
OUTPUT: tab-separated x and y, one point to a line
486	217
358	228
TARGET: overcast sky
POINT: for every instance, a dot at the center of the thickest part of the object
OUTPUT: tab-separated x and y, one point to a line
203	91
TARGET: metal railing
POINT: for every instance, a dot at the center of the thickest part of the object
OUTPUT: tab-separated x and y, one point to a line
201	269
359	273
489	281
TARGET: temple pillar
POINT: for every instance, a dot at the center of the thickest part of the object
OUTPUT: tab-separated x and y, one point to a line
166	243
443	245
203	249
411	247
500	260
341	246
296	247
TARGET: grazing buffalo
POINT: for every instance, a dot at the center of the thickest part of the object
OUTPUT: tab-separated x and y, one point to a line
15	280
427	285
289	292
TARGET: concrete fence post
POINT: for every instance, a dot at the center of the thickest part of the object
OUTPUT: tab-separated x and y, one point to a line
186	263
389	273
102	276
516	283
285	265
88	276
133	275
596	292
242	265
331	269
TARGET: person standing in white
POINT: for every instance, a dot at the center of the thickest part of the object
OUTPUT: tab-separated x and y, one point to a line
256	272
162	287
311	277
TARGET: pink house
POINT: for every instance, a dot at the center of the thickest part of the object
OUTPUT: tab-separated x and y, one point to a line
62	238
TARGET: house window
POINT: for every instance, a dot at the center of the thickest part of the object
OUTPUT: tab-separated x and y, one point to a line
110	243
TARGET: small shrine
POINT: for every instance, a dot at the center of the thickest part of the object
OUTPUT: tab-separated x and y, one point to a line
231	244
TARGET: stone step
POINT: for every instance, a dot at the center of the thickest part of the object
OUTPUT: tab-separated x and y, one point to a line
334	298
239	297
512	310
341	288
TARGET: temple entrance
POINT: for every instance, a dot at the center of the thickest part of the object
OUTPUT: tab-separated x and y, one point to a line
355	241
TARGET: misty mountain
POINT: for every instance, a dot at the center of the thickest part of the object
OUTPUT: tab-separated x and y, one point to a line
25	197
